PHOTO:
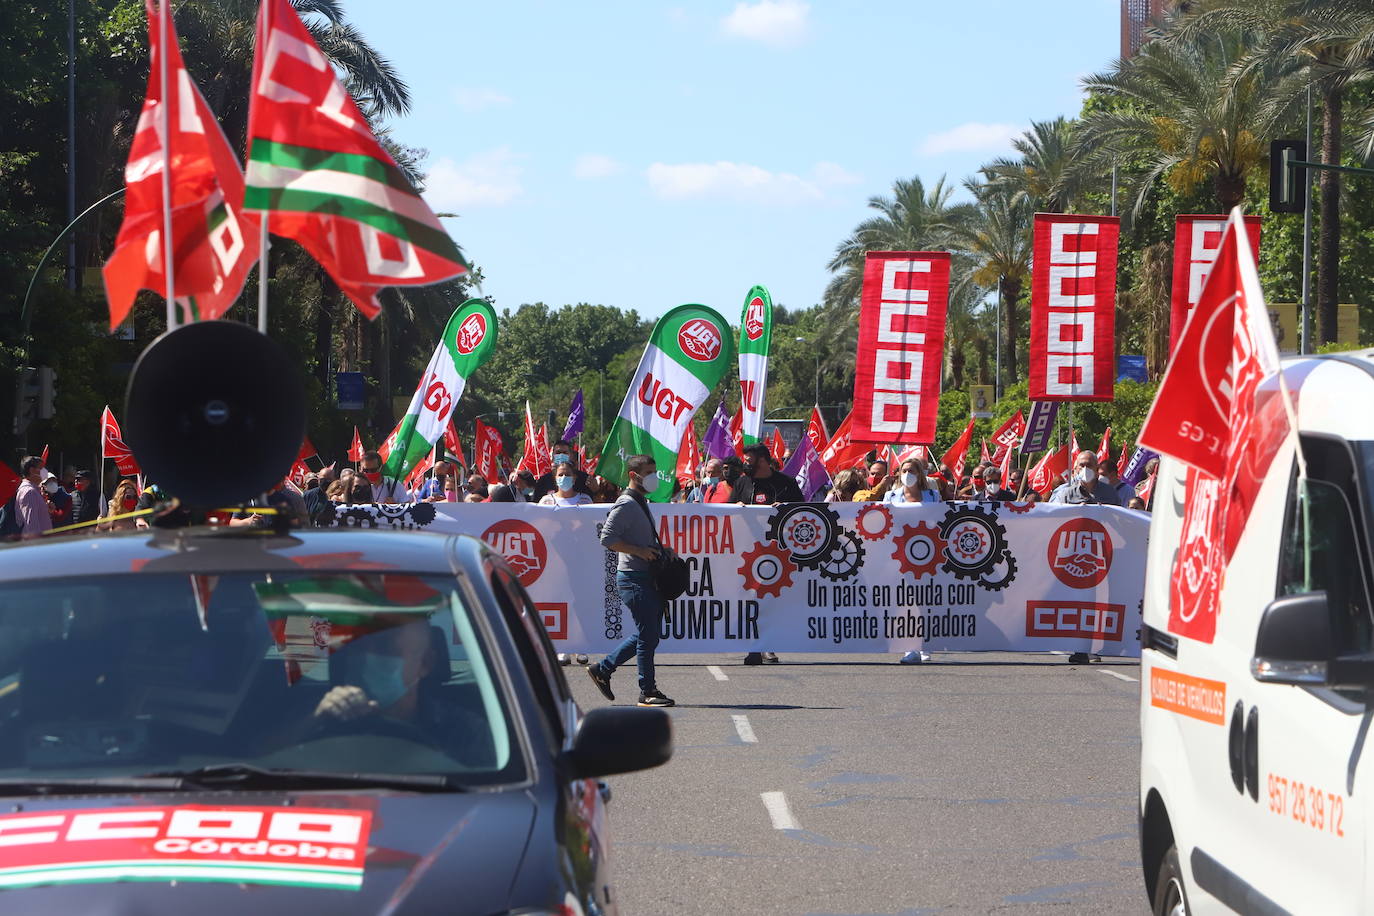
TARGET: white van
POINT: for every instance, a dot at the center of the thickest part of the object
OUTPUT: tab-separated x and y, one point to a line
1255	788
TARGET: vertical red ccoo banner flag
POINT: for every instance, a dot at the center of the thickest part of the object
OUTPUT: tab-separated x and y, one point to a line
1197	239
1073	308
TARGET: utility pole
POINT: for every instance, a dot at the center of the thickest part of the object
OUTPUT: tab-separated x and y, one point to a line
1305	334
71	140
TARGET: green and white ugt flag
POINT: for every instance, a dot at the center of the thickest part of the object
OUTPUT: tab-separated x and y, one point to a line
469	338
685	359
755	330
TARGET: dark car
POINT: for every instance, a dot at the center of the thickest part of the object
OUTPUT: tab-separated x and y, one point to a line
237	721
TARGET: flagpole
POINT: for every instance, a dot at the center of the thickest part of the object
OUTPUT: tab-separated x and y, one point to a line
165	121
266	12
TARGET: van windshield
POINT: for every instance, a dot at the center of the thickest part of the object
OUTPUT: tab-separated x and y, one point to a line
358	673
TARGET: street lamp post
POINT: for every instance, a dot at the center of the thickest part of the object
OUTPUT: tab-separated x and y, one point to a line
816	353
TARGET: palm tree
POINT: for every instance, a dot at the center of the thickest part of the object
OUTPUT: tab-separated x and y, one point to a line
1334	41
1044	172
1187	111
995	236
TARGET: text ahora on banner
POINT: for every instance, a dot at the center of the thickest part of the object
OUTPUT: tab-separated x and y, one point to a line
1197	239
1073	308
901	346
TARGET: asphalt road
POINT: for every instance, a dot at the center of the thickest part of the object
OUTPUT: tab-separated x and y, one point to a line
838	784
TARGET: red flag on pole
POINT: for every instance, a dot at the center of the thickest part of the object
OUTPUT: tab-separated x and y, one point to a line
44	457
1008	436
689	457
984	456
211	236
453	445
487	451
1073	447
1048	472
777	447
355	451
816	432
112	445
1005	466
954	458
1121	462
9	483
840	453
737	431
543	453
315	165
1104	450
417	473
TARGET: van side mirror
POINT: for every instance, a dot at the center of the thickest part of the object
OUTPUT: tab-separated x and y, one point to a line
615	739
1294	645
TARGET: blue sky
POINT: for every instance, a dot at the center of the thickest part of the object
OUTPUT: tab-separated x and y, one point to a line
643	154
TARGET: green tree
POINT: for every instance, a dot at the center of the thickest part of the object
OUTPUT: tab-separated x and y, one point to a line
1044	170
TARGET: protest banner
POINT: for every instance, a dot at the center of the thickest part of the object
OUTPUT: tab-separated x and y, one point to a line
1073	308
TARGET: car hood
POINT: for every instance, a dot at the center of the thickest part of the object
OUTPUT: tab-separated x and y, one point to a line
262	853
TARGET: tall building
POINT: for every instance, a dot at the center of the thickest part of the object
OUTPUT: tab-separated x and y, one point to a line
1136	15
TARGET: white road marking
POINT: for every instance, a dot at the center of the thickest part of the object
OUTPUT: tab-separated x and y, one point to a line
1119	677
717	673
778	812
746	731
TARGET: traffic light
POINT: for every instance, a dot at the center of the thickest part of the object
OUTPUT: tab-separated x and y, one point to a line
1287	183
25	399
47	392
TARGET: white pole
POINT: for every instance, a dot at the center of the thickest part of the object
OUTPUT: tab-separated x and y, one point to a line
165	121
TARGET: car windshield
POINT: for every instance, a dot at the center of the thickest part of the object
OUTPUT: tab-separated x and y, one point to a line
339	673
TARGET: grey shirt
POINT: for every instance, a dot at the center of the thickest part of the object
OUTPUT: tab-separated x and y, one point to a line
627	522
1072	493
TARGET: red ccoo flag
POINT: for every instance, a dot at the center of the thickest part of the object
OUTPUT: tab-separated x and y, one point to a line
840	452
1121	462
777	447
487	452
112	445
1104	449
954	458
1048	472
211	236
737	431
1008	437
315	165
689	457
355	451
816	432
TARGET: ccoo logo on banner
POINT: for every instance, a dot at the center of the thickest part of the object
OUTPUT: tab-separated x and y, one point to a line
841	577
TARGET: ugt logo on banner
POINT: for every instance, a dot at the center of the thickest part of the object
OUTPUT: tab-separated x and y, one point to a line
901	346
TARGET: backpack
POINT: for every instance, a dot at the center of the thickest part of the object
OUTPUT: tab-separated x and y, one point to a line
10	528
669	571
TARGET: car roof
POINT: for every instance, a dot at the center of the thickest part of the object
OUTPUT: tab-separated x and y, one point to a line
211	550
1327	387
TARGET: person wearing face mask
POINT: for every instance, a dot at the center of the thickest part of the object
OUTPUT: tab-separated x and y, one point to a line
123	501
913	487
1085	488
877	484
713	488
565	491
384	489
563	459
763	485
629	531
85	501
59	500
521	486
31	503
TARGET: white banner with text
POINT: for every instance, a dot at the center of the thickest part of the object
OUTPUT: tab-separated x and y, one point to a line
817	577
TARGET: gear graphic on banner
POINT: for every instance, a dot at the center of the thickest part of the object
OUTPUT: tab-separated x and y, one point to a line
919	550
766	570
874	521
845	560
1020	508
976	546
807	531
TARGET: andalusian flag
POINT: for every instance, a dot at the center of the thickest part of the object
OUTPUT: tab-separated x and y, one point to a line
314	164
755	330
469	337
686	357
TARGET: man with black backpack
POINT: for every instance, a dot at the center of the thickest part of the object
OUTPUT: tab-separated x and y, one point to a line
629	531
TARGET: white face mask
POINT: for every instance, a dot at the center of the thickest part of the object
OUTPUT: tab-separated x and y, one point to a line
712	481
910	479
1087	475
50	485
565	484
650	482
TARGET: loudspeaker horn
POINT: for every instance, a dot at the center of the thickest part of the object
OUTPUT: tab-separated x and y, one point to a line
215	413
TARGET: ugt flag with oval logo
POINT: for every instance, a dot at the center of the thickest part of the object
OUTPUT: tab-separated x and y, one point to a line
469	338
755	330
687	354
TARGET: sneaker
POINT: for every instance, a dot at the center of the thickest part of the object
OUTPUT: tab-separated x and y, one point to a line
564	659
582	659
770	657
914	657
754	658
1079	658
655	698
601	680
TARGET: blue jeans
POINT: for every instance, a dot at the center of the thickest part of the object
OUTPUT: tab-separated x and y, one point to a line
638	593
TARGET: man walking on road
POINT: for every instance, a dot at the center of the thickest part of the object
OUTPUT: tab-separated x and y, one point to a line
629	531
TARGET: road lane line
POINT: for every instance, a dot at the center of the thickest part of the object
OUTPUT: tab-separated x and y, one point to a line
746	731
1119	677
717	673
778	812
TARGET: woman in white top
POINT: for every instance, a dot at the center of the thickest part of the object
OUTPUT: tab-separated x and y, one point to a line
914	486
562	494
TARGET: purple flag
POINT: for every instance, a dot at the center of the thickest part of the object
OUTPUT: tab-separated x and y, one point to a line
1135	470
718	442
1039	425
806	465
574	427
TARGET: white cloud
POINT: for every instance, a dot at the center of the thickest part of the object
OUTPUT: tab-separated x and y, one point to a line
594	165
472	99
742	181
973	137
774	22
486	179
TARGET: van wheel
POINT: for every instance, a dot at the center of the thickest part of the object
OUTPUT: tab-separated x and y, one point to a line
1170	900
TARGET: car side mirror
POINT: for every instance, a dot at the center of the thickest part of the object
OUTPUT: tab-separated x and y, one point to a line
615	739
1294	644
